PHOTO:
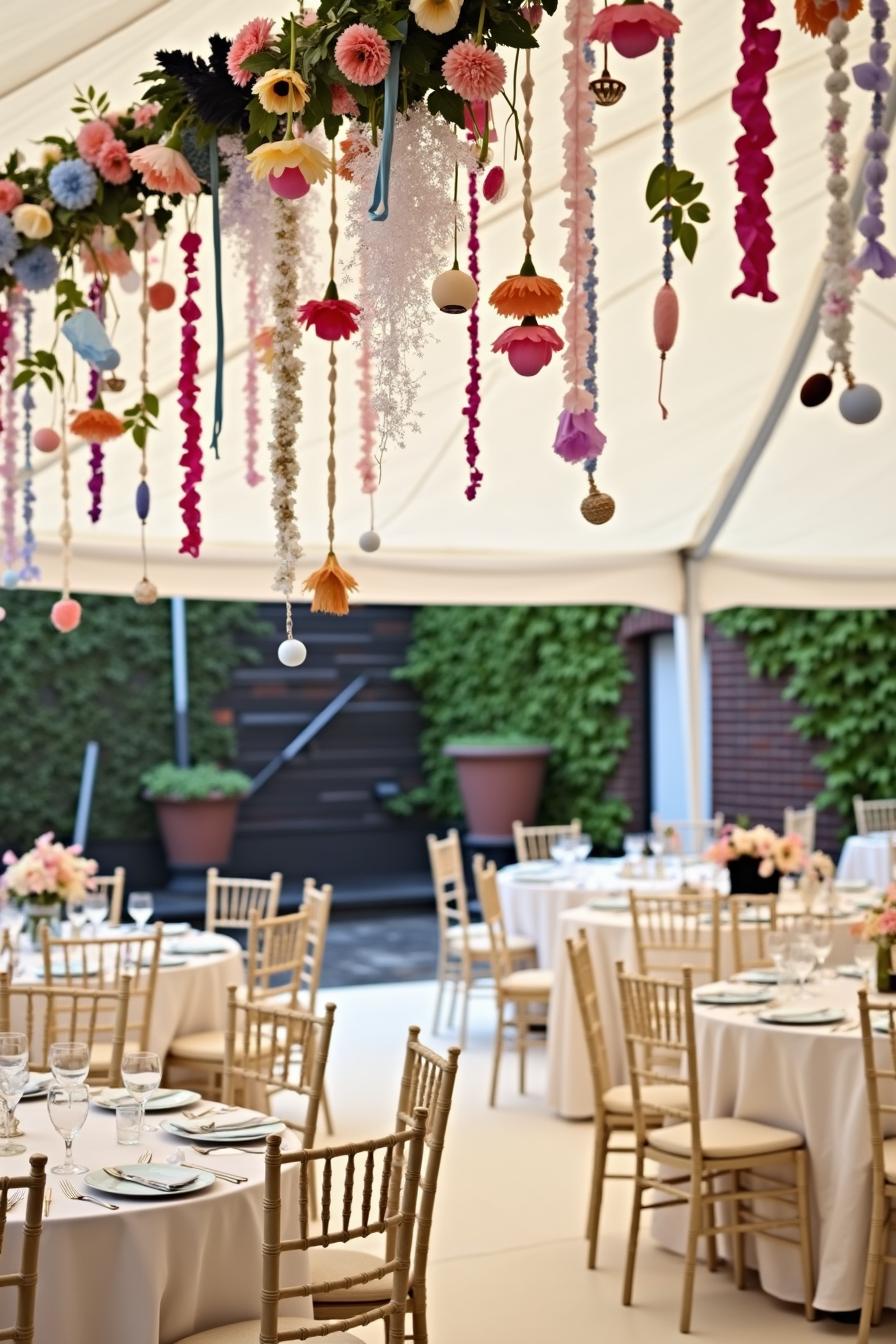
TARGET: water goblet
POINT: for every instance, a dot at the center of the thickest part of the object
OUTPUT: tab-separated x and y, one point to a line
140	907
583	847
141	1073
69	1063
563	851
96	907
67	1107
77	914
865	957
823	942
802	960
778	945
13	1081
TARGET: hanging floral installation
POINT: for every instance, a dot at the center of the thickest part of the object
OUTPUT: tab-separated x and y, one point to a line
874	77
752	218
473	389
9	348
29	571
286	413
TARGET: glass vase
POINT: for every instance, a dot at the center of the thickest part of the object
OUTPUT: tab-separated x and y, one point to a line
37	914
884	967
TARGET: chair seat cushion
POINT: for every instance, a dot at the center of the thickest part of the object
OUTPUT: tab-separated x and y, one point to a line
248	1332
331	1263
291	1107
101	1054
207	1046
890	1159
538	983
473	931
479	944
726	1137
619	1099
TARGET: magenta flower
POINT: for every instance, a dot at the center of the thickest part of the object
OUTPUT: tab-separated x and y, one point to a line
474	72
633	28
362	55
333	319
578	436
529	347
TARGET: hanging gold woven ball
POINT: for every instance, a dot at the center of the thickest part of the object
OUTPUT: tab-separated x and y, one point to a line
145	593
606	89
112	383
597	507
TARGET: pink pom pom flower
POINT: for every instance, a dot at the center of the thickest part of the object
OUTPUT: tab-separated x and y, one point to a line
343	103
146	114
362	55
91	138
474	72
253	37
113	163
164	169
529	347
10	195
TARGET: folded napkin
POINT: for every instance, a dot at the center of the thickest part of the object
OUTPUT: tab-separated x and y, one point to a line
167	1179
111	1096
217	1121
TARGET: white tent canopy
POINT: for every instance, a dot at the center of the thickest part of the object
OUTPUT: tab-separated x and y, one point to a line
805	521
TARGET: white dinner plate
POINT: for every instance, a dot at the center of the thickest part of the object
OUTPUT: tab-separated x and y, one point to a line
853	972
805	1017
203	945
37	1086
233	1136
172	929
758	975
169	1100
855	884
110	1185
732	997
880	1022
608	902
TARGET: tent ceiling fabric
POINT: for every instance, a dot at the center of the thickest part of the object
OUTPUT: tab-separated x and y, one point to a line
812	525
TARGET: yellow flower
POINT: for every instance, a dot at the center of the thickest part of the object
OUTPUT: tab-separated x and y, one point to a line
50	154
281	91
267	159
32	220
436	16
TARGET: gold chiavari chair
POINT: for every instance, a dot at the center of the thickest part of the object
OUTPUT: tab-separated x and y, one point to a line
874	814
525	993
229	901
363	1171
753	918
69	1013
676	930
112	886
427	1081
690	839
801	821
880	1081
25	1278
612	1105
535	842
658	1018
316	903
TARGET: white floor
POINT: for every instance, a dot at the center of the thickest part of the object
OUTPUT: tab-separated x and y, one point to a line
508	1257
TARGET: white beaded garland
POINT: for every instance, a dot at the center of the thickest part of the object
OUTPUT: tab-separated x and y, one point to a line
292	653
860	404
369	541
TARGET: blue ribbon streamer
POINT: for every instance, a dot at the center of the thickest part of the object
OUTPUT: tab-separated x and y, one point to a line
379	204
214	183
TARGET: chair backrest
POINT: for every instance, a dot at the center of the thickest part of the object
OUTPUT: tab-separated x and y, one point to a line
801	821
100	963
690	839
879	1078
658	1021
275	956
585	984
486	878
316	902
360	1212
68	1013
24	1280
230	900
270	1048
753	918
672	931
112	885
874	814
534	842
446	863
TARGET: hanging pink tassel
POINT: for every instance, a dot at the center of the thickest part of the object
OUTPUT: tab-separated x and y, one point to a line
474	398
188	390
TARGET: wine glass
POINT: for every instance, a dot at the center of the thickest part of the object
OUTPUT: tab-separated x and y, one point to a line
69	1063
13	1081
823	942
778	944
632	846
77	914
96	908
563	851
583	847
802	960
68	1111
140	907
141	1073
865	957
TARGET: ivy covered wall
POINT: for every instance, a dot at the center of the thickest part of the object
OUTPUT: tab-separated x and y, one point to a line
109	680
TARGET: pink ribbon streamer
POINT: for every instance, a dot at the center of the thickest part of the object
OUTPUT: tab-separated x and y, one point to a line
474	398
752	216
8	354
250	387
188	390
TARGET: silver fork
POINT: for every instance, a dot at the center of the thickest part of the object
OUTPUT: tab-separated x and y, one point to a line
213	1109
15	1198
71	1193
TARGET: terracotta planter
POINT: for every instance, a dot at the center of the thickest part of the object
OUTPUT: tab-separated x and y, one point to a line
197	834
499	785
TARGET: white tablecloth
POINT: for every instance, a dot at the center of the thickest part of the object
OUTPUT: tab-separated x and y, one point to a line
866	858
611	939
812	1081
158	1269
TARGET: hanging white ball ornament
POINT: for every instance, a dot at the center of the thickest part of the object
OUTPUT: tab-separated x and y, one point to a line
454	291
292	653
2	613
369	541
860	404
130	282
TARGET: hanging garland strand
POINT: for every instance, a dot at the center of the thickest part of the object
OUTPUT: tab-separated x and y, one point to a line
253	476
286	372
188	395
839	275
96	299
874	76
65	614
665	307
29	569
474	396
752	225
10	436
146	592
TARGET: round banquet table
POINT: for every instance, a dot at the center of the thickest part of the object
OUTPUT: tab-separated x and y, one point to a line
611	939
158	1269
535	894
811	1080
191	996
866	858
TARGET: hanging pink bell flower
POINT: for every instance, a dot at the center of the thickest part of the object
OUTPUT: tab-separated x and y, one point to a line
529	347
533	14
332	318
633	28
494	187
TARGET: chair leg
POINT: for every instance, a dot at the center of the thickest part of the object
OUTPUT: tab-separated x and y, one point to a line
418	1320
695	1227
522	1039
712	1251
634	1227
452	1007
802	1196
740	1278
465	1007
889	1229
874	1268
599	1162
496	1054
325	1110
440	977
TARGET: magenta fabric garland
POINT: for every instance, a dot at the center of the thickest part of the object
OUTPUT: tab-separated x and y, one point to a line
752	217
10	435
578	438
96	479
250	387
474	395
188	390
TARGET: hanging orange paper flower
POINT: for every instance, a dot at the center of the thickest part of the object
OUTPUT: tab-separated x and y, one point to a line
96	425
331	585
813	16
527	294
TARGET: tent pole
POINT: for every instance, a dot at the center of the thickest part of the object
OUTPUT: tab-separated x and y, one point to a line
180	681
688	636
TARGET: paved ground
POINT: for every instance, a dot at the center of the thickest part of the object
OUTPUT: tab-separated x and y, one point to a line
380	949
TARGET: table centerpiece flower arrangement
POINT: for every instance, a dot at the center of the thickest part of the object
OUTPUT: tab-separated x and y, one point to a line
44	879
757	858
878	925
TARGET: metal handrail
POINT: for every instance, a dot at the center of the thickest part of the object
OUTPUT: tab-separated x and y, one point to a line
308	733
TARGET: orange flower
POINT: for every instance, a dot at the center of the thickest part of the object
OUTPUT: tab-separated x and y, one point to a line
352	149
813	16
527	294
96	425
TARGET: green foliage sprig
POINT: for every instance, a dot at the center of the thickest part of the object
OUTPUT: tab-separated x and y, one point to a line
193	783
676	193
554	674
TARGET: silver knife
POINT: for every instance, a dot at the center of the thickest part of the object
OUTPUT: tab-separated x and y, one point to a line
120	1175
